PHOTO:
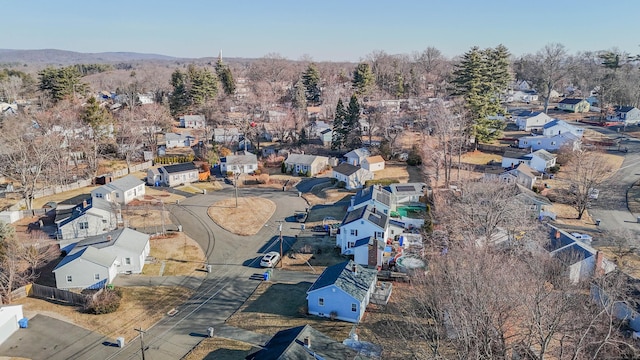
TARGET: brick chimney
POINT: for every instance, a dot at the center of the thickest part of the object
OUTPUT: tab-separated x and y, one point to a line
307	342
372	259
599	270
354	268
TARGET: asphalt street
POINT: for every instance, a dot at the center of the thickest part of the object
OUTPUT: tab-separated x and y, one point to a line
235	275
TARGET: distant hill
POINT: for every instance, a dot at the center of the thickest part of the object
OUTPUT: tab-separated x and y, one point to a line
63	57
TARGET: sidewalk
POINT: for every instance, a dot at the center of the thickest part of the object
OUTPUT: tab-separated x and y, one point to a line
190	282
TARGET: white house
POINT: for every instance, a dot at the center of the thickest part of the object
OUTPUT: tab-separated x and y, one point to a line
520	174
92	217
530	121
326	136
226	135
178	174
9	317
354	177
193	121
550	143
357	156
408	193
539	160
373	163
342	292
556	127
629	115
306	164
359	223
373	195
95	261
174	140
121	191
368	251
245	163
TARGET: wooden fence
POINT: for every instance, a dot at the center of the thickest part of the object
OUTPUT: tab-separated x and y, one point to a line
51	293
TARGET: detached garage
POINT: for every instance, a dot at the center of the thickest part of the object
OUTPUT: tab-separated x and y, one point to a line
9	317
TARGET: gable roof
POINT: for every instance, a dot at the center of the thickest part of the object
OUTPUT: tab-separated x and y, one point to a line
196	118
569	101
342	276
302	159
346	169
516	154
524	169
90	254
247	158
353	215
176	137
375	159
373	192
557	122
359	153
124	183
289	344
543	154
176	168
523	192
624	109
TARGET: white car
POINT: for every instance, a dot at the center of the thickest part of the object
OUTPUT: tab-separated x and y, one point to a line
594	193
582	237
270	259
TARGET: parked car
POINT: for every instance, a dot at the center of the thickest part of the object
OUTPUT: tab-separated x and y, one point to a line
582	237
301	217
594	193
270	259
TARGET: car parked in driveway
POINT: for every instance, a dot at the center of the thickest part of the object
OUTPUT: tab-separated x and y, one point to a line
582	237
270	259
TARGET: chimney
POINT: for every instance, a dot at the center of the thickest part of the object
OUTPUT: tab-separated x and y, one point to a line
354	268
353	200
374	209
108	237
307	342
84	204
599	270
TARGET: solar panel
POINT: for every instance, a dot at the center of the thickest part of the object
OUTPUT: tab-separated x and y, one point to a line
405	188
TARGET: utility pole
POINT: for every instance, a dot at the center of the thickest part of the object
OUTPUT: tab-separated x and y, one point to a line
280	229
141	340
235	183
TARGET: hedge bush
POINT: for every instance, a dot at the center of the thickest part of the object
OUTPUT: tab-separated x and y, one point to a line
106	302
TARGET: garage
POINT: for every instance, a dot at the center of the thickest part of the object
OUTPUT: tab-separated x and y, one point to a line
9	316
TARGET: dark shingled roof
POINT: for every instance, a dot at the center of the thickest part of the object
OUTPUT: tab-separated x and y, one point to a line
624	109
570	101
346	169
176	168
341	275
354	215
381	195
288	344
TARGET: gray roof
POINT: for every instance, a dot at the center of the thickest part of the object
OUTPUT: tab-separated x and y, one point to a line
288	344
125	238
369	213
532	196
341	275
302	159
359	153
354	215
90	254
408	189
125	183
516	154
624	109
346	169
543	154
176	137
192	117
373	192
177	168
248	158
570	101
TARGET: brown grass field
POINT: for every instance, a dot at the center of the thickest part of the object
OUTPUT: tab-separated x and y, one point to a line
180	253
219	349
246	219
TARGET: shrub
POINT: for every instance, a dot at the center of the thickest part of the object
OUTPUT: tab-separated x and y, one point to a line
554	169
383	182
283	168
308	173
106	302
414	159
229	174
257	172
342	184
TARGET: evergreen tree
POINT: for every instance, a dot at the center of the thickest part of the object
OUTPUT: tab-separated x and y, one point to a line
481	77
352	130
363	79
299	100
179	100
226	77
303	138
204	85
60	83
311	81
339	131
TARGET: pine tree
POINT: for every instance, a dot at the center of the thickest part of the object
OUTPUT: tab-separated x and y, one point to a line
299	100
179	100
352	130
311	81
339	131
363	79
226	77
60	83
204	85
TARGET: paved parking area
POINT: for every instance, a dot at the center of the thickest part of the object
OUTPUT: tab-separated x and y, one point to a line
49	338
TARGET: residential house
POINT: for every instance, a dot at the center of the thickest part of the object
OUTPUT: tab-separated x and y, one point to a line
193	121
10	315
342	292
94	216
368	251
373	163
539	205
310	165
531	121
326	136
173	140
177	174
374	195
539	160
318	127
556	127
244	144
580	260
565	140
354	177
225	135
361	222
627	310
95	261
408	193
574	105
357	156
122	191
245	163
304	342
521	174
629	115
8	109
314	112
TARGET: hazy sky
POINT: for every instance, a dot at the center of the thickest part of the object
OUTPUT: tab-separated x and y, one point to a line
324	29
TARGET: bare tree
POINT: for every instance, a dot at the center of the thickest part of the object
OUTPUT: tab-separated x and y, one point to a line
586	170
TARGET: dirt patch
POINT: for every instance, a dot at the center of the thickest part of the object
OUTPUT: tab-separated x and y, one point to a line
633	198
246	219
220	349
480	158
140	307
274	307
567	214
393	170
208	186
312	254
160	193
180	254
150	215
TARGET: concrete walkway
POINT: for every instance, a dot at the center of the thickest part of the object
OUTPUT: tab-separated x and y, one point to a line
234	333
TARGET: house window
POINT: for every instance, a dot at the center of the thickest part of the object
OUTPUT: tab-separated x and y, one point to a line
117	195
553	143
84	225
127	261
354	232
350	245
96	276
320	301
69	278
354	307
385	211
539	142
99	195
379	235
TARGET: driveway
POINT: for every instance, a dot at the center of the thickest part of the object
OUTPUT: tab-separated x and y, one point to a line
235	274
307	184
